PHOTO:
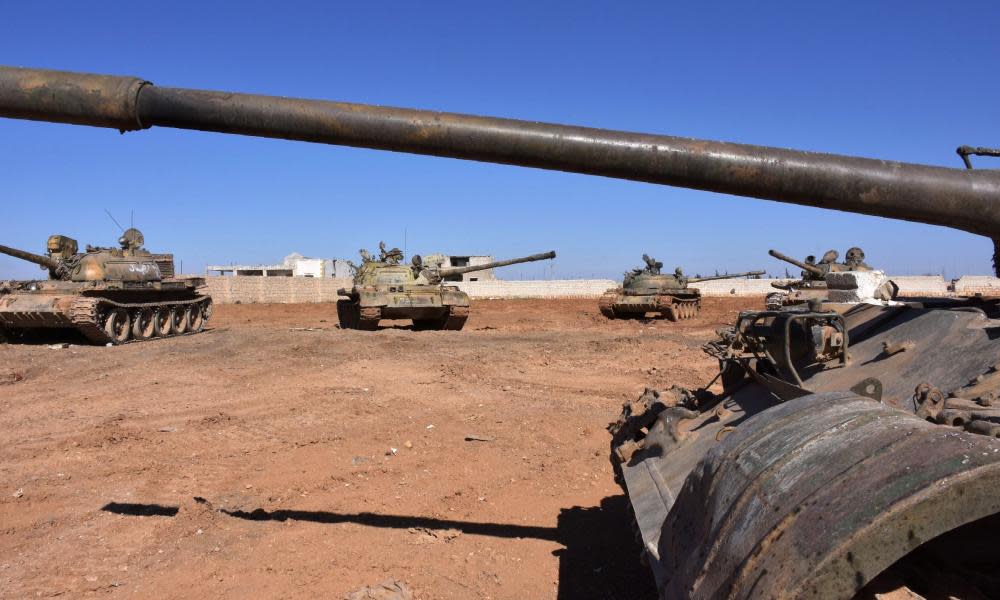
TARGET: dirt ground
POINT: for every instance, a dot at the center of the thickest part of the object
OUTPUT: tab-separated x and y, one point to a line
278	456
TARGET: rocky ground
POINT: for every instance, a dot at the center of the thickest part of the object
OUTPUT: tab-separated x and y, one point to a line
276	455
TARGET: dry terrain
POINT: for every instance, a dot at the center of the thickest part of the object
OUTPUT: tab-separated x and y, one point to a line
278	456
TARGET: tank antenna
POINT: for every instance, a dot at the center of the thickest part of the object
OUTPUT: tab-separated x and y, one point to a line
114	220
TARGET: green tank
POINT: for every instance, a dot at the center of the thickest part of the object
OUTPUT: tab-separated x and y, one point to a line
110	295
385	288
646	290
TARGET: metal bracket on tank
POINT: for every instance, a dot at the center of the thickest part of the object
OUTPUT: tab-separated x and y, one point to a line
869	388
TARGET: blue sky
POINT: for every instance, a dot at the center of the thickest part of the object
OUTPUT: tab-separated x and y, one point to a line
897	80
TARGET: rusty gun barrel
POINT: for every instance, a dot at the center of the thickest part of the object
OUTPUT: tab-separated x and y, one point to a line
804	266
960	198
38	259
727	276
499	263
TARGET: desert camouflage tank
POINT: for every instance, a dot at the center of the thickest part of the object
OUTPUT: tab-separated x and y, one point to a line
110	295
384	288
851	451
646	290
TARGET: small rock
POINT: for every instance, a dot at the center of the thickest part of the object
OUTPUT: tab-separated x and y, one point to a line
408	444
199	532
391	451
19	493
247	486
472	437
91	578
430	426
59	346
168	429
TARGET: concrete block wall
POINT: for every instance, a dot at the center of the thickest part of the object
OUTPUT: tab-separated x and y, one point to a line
738	287
971	285
921	285
285	290
276	290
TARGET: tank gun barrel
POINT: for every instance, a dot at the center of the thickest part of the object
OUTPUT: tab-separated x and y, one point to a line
499	263
960	198
729	276
38	259
804	266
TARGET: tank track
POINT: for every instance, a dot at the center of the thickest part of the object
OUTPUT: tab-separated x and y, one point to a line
457	316
369	318
670	307
85	314
607	304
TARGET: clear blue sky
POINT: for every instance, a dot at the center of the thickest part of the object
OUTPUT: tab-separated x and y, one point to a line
898	80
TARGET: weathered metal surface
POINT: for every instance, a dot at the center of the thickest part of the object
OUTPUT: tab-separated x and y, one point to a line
38	259
110	295
815	497
957	198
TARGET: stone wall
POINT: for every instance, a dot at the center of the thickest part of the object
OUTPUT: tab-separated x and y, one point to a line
276	290
972	285
285	290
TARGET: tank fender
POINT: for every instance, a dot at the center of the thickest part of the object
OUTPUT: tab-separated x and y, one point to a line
815	497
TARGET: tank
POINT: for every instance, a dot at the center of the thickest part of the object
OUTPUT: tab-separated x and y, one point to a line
812	283
109	295
385	288
646	290
849	449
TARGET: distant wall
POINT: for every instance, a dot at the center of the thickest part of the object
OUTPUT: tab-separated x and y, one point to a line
285	290
971	285
274	290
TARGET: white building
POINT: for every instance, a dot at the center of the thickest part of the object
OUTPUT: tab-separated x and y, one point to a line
294	265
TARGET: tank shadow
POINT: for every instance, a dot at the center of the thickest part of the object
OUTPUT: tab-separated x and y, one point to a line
599	558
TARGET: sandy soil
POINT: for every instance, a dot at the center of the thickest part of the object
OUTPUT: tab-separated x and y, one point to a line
260	459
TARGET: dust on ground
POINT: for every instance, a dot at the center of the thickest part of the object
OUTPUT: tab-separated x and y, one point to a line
276	455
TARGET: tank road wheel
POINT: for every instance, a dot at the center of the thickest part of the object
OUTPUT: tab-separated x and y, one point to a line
671	313
368	318
178	319
117	325
607	304
144	324
163	322
196	318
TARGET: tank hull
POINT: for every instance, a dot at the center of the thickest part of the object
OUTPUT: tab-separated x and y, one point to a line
674	306
104	312
430	307
779	490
